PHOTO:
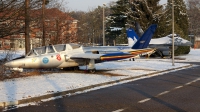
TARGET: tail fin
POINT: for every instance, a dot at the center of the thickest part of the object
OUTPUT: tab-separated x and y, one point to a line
132	37
143	41
138	30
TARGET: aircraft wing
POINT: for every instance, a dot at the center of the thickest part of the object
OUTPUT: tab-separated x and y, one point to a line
86	56
102	57
112	56
167	41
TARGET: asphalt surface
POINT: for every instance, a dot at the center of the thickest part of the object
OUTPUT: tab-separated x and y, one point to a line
177	91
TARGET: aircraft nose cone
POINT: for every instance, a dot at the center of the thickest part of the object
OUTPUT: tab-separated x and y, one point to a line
14	63
188	43
8	64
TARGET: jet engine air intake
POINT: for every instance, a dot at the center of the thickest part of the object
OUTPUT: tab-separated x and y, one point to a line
67	57
95	52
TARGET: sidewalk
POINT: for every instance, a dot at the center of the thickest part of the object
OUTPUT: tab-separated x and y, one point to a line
56	85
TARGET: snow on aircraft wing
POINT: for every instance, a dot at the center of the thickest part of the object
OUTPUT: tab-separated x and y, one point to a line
103	57
113	56
86	56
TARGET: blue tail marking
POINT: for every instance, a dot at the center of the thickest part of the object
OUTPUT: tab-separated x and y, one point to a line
131	34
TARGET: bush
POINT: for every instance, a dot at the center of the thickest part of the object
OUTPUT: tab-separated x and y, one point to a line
182	50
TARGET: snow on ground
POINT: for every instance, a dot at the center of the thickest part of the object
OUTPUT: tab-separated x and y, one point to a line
193	56
22	88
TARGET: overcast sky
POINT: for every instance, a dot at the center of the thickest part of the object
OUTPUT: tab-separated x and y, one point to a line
84	5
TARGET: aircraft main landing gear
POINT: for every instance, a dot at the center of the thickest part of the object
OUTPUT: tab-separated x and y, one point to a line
91	66
92	71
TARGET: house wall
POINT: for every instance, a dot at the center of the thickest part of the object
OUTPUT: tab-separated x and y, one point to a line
197	42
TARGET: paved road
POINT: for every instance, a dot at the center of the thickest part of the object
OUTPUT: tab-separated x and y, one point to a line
172	92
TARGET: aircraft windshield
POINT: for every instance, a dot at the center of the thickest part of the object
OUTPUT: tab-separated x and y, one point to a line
32	53
40	50
50	49
74	46
60	47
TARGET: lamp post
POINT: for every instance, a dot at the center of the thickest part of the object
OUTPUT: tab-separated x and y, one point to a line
104	25
172	32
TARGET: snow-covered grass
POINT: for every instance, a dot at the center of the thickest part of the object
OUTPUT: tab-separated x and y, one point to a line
11	54
27	87
193	56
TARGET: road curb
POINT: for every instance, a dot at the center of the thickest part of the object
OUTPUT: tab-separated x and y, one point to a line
63	93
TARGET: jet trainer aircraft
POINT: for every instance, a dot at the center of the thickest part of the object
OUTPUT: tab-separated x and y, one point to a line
73	55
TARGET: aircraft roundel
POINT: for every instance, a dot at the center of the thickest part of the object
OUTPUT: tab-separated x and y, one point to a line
45	60
58	57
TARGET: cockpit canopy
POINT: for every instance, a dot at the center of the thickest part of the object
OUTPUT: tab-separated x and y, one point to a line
52	49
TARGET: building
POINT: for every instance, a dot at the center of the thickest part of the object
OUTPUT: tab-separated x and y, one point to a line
59	28
196	42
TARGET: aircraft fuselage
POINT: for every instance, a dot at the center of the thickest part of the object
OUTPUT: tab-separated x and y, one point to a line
52	59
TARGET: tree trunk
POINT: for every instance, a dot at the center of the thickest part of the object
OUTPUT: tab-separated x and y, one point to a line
43	23
27	28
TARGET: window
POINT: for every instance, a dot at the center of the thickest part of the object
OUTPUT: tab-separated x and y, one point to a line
50	49
40	50
32	53
7	43
74	46
38	34
60	47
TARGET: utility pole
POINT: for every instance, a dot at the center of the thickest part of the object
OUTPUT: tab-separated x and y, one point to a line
104	24
27	24
173	33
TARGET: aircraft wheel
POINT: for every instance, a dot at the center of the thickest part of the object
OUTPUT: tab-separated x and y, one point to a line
92	71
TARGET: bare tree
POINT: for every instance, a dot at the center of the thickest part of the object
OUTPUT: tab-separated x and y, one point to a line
11	12
83	26
194	16
90	25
